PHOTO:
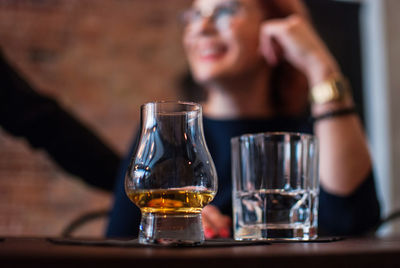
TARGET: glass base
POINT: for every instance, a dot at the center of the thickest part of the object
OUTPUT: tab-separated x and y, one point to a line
171	229
254	233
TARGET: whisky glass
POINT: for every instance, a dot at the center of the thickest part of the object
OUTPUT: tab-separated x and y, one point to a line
171	176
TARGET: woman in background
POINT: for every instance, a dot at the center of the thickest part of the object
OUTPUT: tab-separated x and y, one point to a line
255	61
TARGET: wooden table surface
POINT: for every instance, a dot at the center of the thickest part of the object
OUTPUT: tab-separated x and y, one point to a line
349	252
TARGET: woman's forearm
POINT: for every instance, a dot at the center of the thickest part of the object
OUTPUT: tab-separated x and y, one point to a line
345	161
344	156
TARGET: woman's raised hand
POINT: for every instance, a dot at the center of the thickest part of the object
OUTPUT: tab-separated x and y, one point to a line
294	40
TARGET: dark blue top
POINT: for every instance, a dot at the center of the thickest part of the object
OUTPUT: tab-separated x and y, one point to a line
352	215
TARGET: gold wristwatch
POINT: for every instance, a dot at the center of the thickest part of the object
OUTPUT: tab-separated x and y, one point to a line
335	88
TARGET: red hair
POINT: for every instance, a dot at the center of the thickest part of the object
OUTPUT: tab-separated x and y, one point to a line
283	8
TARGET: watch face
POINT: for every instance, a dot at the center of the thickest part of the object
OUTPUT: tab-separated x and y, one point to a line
331	90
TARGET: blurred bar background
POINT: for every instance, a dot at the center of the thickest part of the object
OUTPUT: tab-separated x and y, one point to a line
102	59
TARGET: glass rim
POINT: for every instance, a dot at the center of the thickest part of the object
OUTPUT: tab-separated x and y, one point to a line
273	133
196	106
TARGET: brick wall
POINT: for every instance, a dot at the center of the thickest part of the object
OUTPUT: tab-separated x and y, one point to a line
101	59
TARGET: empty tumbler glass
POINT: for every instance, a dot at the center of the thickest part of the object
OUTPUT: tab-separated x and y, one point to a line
275	186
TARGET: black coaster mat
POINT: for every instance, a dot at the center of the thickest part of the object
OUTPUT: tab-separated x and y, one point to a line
318	240
134	243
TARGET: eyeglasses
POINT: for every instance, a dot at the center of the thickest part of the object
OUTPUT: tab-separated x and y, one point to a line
221	15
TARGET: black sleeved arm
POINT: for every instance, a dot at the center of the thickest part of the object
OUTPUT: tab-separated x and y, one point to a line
43	122
356	214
